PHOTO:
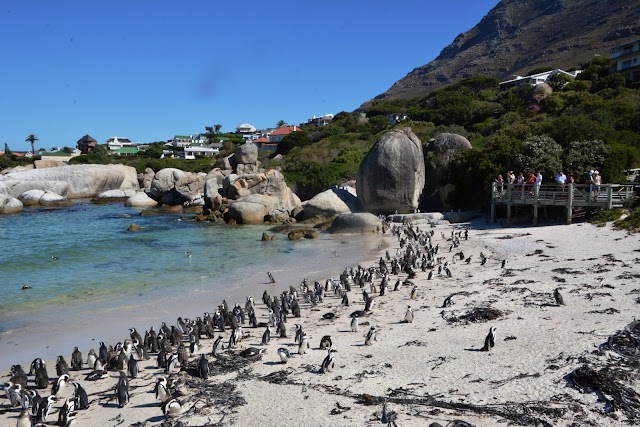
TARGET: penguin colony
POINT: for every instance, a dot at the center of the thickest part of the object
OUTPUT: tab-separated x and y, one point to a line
173	346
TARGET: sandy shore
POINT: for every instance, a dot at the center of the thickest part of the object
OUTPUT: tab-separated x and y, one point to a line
430	370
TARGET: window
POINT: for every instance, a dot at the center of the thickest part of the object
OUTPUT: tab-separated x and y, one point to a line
626	64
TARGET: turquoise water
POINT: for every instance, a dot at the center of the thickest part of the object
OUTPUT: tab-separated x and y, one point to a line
106	277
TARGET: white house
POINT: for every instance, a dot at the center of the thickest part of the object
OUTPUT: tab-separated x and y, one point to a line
536	79
321	121
116	142
277	135
246	128
627	60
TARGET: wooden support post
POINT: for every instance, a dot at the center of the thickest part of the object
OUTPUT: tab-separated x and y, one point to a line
570	205
609	196
509	194
536	191
493	202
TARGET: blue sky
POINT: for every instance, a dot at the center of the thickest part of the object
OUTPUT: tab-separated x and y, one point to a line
149	70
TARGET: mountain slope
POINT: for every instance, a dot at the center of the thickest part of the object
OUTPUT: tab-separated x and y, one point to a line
519	35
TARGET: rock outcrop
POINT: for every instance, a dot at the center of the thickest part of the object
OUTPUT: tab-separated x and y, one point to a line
43	198
73	181
330	203
115	195
10	205
391	177
140	200
356	223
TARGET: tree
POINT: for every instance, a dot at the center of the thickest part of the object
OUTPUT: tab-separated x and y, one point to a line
585	155
281	123
32	139
540	153
217	128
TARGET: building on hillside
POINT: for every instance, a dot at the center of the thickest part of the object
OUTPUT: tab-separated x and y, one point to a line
320	121
86	144
536	79
59	155
627	60
126	151
116	142
246	128
277	135
182	141
395	118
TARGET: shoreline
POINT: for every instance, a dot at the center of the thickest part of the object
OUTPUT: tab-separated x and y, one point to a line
436	355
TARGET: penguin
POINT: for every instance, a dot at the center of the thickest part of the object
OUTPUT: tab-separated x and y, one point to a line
271	279
65	411
161	360
299	333
325	342
447	302
251	352
135	335
43	409
172	363
54	258
218	346
504	262
303	346
60	384
127	348
98	372
490	340
132	367
13	393
354	323
468	260
61	366
183	354
282	329
171	408
558	296
122	390
328	362
71	420
408	317
371	336
414	292
266	336
345	299
203	367
24	420
430	276
161	390
103	353
42	377
82	399
284	355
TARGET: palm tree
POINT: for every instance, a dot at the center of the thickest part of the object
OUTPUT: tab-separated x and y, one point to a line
32	139
217	127
281	123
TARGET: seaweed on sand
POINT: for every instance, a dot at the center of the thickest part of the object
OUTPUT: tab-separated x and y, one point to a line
475	315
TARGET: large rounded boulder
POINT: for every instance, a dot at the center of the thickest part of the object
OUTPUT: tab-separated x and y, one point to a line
355	223
330	203
165	181
246	153
140	200
247	212
10	205
391	176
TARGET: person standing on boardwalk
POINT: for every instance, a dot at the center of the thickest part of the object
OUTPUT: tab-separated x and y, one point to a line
597	181
561	179
538	180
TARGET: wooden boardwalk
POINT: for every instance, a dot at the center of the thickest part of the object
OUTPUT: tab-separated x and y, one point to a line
571	196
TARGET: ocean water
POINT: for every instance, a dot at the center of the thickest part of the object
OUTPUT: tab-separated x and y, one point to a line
104	279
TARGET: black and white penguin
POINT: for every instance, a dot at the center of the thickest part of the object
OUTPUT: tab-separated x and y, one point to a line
66	410
490	340
161	359
371	336
558	296
345	299
251	352
80	394
271	279
203	367
43	409
60	384
135	335
183	354
299	333
284	355
24	419
328	362
408	316
414	292
161	390
504	263
303	345
132	367
171	408
448	301
325	342
41	376
91	358
354	323
218	346
430	275
103	353
172	363
122	390
61	366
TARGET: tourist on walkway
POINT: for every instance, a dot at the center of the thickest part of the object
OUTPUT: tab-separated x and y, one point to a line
561	179
597	181
499	183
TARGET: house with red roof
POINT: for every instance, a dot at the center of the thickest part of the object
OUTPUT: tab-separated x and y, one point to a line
277	135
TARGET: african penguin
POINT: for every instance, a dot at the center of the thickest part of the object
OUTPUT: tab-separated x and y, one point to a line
490	340
284	354
408	317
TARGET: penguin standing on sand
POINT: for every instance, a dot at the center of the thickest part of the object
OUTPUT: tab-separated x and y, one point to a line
43	409
24	420
218	346
408	316
504	263
271	279
328	362
161	390
354	323
203	367
414	292
303	346
299	333
66	410
42	377
61	366
325	342
371	336
60	385
91	358
122	390
558	296
82	399
171	408
132	367
490	340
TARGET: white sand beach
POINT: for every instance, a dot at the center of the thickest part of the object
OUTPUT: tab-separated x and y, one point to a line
427	371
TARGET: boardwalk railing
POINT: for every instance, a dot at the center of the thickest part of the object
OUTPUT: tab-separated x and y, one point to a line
607	196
